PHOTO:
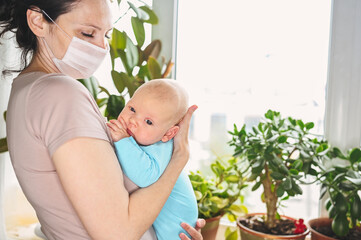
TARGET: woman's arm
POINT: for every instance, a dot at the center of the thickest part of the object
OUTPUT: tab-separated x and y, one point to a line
92	179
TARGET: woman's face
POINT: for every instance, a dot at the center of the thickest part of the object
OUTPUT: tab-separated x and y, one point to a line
89	20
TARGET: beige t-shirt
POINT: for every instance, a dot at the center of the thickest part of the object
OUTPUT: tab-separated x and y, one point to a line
45	111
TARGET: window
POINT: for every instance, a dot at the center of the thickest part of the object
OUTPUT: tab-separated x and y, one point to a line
238	59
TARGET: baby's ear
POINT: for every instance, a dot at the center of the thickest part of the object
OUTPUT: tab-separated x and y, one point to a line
170	133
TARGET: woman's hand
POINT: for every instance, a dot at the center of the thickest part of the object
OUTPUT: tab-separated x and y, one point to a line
181	139
194	232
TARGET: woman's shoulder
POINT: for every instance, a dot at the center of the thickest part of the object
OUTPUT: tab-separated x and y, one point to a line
50	84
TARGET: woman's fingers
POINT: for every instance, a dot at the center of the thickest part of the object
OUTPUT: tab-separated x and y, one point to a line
195	234
184	124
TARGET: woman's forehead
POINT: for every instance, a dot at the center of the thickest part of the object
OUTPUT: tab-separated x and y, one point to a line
91	12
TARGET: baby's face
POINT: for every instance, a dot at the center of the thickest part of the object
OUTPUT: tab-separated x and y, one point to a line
148	119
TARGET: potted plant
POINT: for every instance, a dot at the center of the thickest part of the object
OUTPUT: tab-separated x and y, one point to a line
342	183
277	154
217	195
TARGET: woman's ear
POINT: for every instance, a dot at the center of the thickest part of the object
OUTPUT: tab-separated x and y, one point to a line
170	134
36	22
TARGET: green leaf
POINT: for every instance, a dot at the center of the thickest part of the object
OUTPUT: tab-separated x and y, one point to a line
3	145
118	40
118	81
287	184
296	188
282	139
91	84
300	124
298	164
231	235
256	186
280	191
153	19
131	55
269	114
232	178
355	155
154	68
198	195
277	175
294	172
115	106
4	115
354	181
138	28
141	14
309	125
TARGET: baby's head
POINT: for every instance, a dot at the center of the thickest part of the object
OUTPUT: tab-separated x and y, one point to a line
154	111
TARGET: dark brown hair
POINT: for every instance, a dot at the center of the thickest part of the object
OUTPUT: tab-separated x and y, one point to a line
13	18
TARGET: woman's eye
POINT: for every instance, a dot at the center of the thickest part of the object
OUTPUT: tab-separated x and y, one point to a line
149	122
87	34
132	109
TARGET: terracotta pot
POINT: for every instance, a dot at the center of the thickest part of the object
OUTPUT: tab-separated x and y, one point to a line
321	222
249	234
316	223
209	231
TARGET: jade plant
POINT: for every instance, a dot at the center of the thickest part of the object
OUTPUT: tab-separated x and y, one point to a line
218	194
277	154
342	182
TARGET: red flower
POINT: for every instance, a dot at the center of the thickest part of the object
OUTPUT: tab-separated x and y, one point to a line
300	227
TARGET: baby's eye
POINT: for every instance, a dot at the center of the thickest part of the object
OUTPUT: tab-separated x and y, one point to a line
149	122
132	109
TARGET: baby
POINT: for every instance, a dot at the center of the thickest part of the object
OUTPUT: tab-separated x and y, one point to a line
142	137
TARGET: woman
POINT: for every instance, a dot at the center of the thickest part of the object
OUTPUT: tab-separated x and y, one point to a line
58	141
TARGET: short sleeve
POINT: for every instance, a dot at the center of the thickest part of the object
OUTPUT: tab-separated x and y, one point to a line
59	109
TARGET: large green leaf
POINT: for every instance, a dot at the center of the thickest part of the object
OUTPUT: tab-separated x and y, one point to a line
115	106
131	55
138	28
153	49
154	68
129	82
153	19
141	14
118	81
92	85
119	40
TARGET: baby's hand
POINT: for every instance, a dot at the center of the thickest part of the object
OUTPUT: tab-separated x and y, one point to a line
118	129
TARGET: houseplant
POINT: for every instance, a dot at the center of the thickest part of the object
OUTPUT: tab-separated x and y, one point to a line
277	154
342	184
219	194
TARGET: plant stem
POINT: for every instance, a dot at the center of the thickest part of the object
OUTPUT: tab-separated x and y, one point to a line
270	198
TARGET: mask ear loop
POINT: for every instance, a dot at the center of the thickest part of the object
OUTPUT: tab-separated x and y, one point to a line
55	23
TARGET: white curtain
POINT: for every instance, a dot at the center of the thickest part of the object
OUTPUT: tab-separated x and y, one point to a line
343	99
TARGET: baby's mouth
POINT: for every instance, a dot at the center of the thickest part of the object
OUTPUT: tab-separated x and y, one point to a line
130	133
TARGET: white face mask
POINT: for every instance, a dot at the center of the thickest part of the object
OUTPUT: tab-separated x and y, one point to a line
81	58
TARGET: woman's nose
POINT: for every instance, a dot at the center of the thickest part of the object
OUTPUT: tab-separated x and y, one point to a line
103	43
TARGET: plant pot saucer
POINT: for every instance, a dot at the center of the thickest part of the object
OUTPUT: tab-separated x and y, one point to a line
249	234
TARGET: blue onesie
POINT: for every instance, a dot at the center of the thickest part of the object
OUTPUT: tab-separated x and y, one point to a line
144	165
